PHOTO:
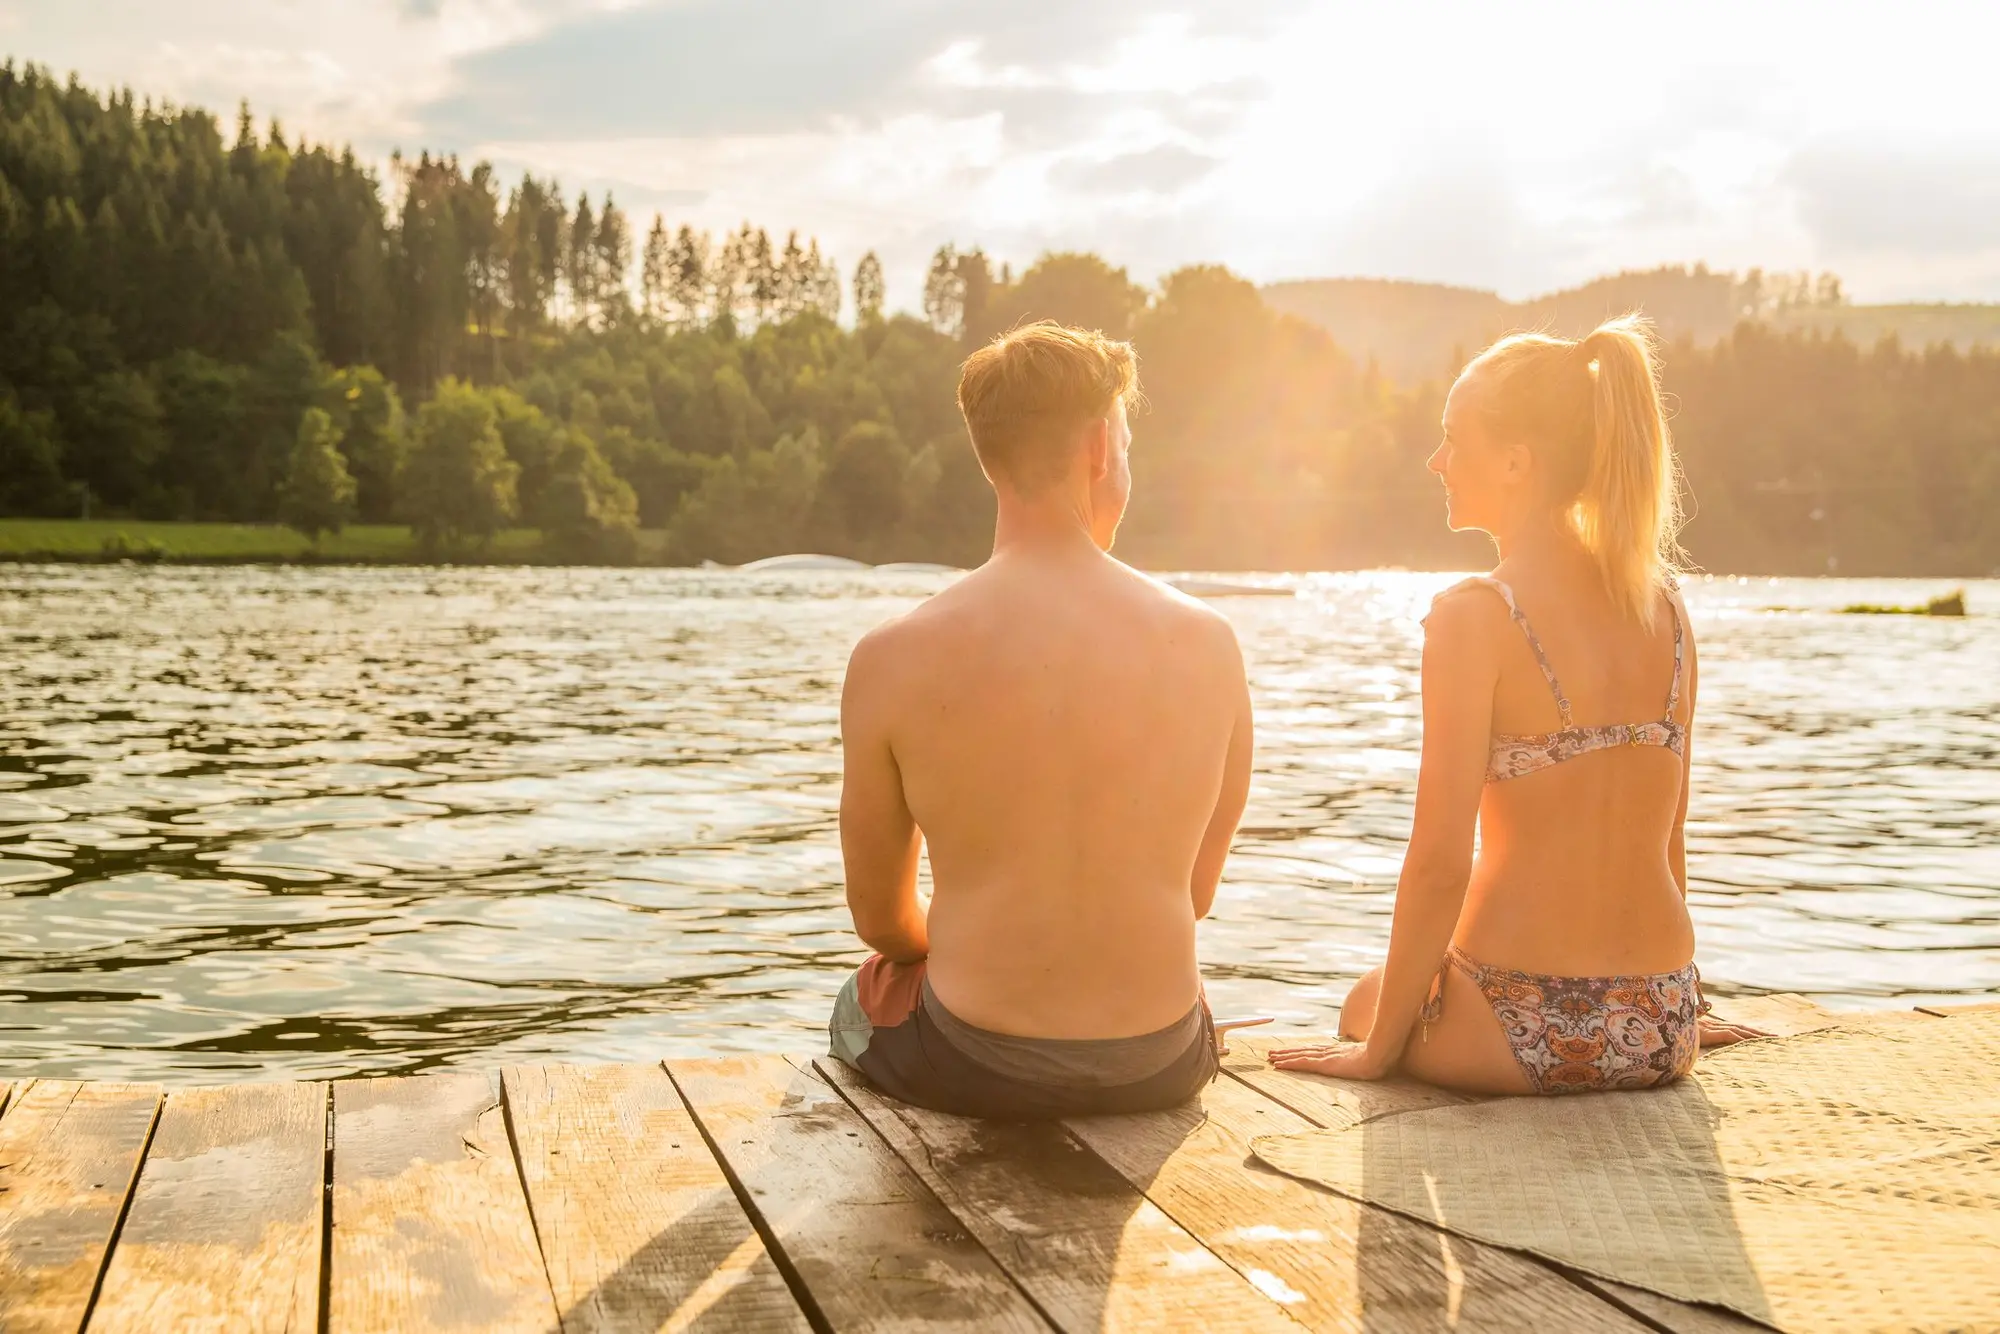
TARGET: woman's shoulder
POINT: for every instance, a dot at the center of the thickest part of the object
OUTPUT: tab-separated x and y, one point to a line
1486	590
1471	606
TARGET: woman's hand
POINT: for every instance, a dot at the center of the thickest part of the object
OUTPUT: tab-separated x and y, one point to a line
1342	1060
1721	1033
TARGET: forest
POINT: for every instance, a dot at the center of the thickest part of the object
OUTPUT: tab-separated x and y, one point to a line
200	323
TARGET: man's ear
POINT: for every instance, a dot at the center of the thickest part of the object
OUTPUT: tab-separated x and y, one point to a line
1097	448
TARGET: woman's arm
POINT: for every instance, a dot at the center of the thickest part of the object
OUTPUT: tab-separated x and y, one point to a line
1677	841
1459	672
1713	1032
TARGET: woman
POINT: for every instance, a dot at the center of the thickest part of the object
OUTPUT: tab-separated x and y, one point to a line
1558	698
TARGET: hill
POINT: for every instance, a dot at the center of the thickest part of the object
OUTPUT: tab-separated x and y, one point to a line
1414	331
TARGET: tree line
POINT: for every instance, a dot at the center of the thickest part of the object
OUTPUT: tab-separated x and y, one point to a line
238	327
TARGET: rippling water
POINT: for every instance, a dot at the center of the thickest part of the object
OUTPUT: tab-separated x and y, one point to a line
294	821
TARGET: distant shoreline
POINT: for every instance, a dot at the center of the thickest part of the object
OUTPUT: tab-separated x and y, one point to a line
148	542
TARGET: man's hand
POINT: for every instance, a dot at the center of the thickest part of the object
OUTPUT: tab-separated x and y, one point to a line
1343	1060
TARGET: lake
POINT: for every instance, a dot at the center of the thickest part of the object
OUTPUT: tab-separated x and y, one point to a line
276	821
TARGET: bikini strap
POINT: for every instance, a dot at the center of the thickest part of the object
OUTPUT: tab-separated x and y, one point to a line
1680	637
1541	656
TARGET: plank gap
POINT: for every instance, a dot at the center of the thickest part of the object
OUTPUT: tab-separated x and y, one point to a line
1000	1262
124	1210
325	1322
772	1247
514	1151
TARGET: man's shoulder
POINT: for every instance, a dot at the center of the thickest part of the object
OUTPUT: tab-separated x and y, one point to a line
912	635
1183	610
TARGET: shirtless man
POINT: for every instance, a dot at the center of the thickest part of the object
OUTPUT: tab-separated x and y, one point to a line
1073	739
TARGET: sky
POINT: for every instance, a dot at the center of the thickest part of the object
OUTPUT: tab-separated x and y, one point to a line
1515	147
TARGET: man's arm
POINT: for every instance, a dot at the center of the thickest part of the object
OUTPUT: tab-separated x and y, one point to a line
1235	790
879	840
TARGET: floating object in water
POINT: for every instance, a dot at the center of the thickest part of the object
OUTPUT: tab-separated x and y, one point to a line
801	561
1214	588
1951	604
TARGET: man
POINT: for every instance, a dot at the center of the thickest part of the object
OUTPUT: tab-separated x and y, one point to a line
1073	740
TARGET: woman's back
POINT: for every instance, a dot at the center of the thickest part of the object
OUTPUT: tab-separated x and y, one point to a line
1541	940
1578	870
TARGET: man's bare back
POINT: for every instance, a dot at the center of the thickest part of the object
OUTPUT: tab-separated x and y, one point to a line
1072	739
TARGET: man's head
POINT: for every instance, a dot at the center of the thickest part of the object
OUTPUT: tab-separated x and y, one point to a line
1045	406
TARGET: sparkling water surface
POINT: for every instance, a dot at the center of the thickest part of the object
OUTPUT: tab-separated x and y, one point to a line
278	821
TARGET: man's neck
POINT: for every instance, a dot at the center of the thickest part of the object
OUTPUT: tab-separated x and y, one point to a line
1046	526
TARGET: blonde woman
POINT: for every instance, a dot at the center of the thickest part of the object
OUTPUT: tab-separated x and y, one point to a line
1558	703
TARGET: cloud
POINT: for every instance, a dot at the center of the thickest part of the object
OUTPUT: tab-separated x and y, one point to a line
1161	170
738	67
1916	200
1451	219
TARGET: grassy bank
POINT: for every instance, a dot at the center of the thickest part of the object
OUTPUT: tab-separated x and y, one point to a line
230	543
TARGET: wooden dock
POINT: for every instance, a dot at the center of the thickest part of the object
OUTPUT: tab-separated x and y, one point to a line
748	1193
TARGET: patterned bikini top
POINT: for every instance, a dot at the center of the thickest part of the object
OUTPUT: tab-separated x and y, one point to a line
1513	756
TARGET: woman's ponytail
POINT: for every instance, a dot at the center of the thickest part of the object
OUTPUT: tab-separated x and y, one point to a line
1590	411
1628	512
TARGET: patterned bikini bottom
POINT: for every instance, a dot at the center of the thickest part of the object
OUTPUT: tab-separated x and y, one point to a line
1582	1034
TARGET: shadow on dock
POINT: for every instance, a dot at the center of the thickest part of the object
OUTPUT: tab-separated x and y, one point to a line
1635	1205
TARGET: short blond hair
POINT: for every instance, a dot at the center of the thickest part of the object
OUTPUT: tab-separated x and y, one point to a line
1027	393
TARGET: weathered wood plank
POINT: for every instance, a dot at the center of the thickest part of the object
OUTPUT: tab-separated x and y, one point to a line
223	1233
1092	1251
871	1245
68	1154
638	1225
1328	1102
1334	1263
430	1225
1946	1011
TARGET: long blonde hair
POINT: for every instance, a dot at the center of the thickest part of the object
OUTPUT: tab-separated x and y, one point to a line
1590	409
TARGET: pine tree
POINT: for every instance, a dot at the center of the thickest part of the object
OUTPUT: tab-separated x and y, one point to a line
794	282
580	265
729	275
761	277
656	277
944	293
868	289
318	494
477	209
552	246
822	283
526	285
613	264
688	277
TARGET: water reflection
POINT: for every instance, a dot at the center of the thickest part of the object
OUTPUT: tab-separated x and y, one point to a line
300	821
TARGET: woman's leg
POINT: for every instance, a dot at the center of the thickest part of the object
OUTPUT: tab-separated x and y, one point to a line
1357	1012
1463	1048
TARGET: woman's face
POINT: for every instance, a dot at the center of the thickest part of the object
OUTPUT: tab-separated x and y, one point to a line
1480	486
